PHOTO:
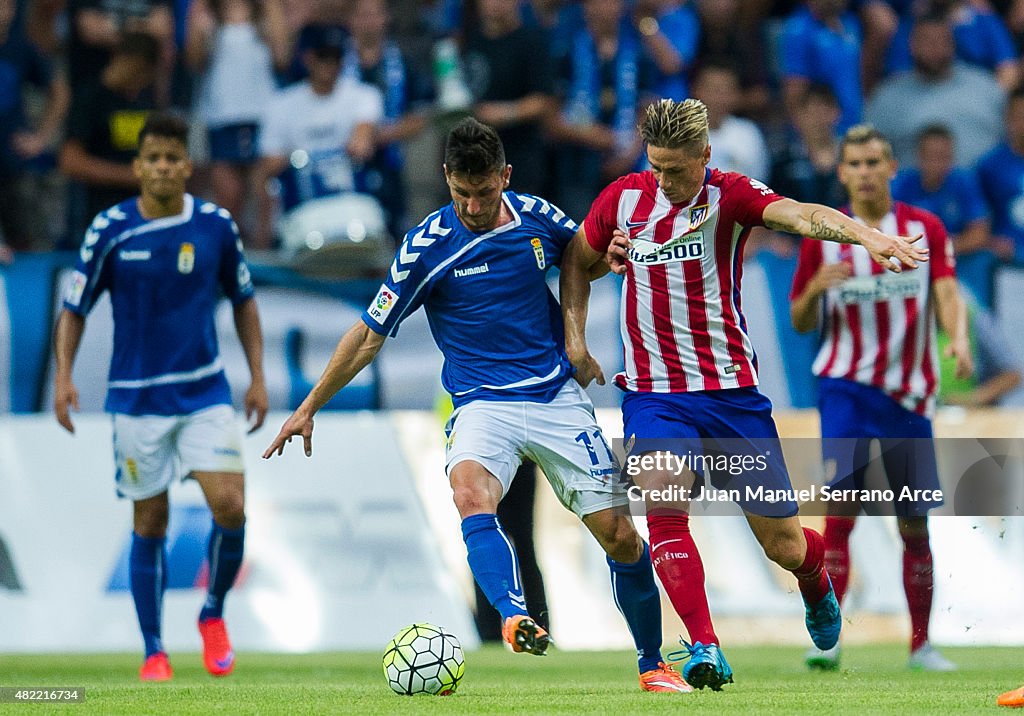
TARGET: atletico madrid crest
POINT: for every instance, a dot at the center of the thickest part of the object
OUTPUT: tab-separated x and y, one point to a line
698	215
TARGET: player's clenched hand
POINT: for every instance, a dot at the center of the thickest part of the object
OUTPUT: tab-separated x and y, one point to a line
256	405
617	252
961	350
830	275
296	424
884	247
65	396
587	369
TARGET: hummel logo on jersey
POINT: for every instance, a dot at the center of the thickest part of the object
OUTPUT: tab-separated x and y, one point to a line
91	237
142	255
408	254
472	271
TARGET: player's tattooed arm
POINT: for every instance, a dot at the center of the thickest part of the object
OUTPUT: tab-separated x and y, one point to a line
825	230
813	220
820	222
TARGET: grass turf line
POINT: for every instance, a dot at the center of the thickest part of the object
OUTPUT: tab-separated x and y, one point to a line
874	679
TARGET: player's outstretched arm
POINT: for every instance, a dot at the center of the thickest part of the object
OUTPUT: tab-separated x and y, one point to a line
821	222
247	325
578	263
356	349
66	340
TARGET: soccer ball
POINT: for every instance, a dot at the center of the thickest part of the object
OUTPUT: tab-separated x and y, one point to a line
424	659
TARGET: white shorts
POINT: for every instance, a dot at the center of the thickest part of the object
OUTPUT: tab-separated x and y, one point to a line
152	451
562	437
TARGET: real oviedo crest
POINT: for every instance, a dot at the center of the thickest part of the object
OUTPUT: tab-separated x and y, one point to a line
186	258
538	252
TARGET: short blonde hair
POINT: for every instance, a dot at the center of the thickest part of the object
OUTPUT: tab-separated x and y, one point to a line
862	134
670	125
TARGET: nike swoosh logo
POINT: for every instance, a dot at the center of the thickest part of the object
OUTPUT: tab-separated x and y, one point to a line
226	661
635	224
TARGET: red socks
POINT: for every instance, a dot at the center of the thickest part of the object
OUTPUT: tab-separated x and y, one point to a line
917	582
837	552
917	573
678	564
811	576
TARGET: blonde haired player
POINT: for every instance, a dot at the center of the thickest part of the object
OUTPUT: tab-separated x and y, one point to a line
690	378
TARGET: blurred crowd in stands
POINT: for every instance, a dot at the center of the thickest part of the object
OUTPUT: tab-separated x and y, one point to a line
296	100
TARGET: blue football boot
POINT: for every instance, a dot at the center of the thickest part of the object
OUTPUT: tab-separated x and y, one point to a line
824	620
706	665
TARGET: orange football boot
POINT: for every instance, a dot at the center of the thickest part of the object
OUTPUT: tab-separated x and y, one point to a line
524	635
218	658
665	679
156	668
1013	699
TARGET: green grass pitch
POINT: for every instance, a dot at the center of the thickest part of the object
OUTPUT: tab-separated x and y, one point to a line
873	680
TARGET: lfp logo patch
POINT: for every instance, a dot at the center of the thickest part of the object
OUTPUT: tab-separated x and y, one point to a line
76	288
382	304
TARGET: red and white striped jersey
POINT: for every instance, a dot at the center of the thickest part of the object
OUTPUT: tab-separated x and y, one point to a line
681	320
878	327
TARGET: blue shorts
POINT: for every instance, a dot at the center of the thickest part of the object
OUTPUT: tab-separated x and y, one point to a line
731	430
852	415
235	143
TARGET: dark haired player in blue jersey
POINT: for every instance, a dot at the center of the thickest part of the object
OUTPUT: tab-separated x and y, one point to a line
478	267
165	257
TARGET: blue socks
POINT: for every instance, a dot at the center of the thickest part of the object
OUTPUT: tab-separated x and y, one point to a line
636	596
148	578
224	553
147	573
492	559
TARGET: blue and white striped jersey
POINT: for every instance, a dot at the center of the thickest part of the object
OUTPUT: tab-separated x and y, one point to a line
490	310
165	277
